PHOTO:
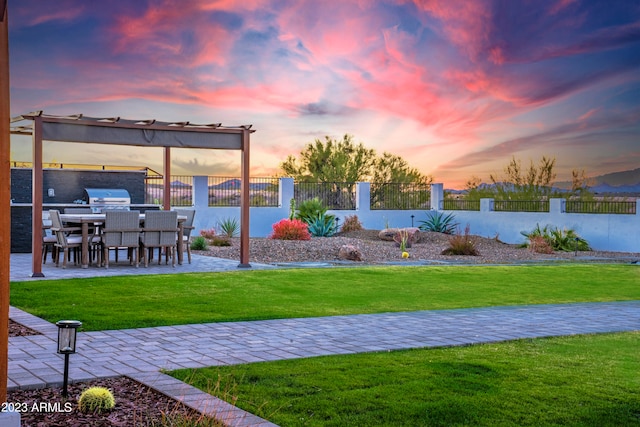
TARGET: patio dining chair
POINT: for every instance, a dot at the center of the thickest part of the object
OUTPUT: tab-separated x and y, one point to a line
94	230
65	240
49	239
160	231
187	226
121	230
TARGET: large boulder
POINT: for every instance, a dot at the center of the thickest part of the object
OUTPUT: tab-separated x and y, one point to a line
388	234
349	253
393	235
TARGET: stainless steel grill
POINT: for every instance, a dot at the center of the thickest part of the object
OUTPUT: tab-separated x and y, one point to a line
101	199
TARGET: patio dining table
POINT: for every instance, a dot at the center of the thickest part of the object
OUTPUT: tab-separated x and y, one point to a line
97	219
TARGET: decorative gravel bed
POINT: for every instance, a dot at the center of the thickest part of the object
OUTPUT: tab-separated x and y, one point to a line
136	405
376	251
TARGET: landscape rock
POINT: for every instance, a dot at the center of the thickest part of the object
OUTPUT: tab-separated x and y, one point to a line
388	234
350	253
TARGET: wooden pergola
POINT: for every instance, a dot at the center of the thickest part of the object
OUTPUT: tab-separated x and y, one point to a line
141	133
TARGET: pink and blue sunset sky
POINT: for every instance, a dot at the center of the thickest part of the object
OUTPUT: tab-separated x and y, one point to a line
456	87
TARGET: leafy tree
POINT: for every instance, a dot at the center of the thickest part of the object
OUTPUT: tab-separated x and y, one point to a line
331	161
343	163
392	169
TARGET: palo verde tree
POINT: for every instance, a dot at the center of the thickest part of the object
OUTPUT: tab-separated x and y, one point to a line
331	161
342	163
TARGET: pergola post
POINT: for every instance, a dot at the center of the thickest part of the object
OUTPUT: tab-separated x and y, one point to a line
36	200
5	200
166	182
245	202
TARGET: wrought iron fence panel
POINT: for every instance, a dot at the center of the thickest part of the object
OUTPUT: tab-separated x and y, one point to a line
400	196
154	190
521	206
333	195
601	207
181	190
225	191
460	205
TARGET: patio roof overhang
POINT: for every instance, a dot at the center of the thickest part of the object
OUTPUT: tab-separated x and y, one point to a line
142	133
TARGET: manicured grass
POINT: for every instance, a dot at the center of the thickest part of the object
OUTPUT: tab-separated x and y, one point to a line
589	380
154	300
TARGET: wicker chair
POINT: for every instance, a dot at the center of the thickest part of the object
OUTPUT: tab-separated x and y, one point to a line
49	239
121	230
64	239
93	230
160	231
187	226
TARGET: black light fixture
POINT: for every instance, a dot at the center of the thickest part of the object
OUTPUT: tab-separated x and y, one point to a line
412	216
67	331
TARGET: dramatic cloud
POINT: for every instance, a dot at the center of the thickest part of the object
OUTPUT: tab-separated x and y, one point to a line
455	86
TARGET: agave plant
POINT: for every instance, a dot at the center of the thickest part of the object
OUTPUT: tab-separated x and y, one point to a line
229	227
439	222
322	225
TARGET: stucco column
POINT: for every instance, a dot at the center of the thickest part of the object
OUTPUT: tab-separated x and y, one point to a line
363	196
437	196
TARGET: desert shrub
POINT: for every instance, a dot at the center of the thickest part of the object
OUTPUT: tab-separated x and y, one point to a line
439	222
351	223
229	227
403	239
96	399
322	226
208	234
539	244
566	240
461	244
290	229
220	241
199	244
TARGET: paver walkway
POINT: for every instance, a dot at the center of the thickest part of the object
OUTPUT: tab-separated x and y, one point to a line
142	353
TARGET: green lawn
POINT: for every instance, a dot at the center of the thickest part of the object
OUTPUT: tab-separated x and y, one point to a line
154	300
589	380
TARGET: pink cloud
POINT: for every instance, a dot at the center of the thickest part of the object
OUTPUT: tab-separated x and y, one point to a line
560	5
466	23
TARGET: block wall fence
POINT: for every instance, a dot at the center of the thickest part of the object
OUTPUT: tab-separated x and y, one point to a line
604	232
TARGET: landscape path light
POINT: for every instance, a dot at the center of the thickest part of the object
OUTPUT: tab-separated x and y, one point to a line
67	332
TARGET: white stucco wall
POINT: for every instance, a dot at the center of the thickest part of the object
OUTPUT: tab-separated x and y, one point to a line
620	233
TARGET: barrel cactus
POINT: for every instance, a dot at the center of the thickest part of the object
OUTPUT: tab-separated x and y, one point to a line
96	399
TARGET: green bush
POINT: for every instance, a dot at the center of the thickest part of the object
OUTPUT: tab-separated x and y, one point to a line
566	240
310	209
96	399
199	244
290	229
439	222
